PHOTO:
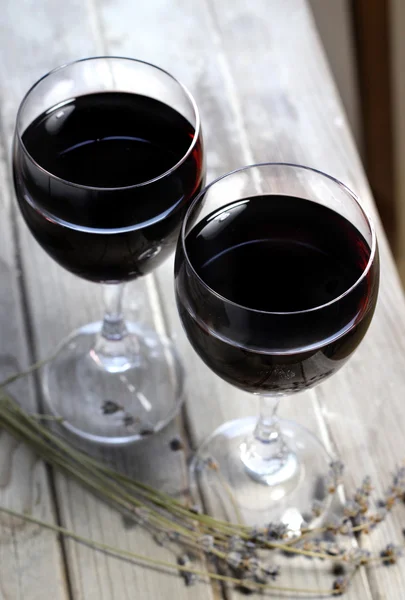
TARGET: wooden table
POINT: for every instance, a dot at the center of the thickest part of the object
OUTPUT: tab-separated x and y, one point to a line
260	77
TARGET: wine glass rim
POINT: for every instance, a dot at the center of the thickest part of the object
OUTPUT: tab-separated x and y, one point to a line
344	187
197	128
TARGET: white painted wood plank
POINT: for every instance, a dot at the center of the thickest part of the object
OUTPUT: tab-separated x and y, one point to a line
363	404
30	559
35	41
208	71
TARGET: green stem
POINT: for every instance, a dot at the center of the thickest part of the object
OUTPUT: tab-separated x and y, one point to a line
31	369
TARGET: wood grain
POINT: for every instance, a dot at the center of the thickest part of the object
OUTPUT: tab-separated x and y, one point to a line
362	405
265	92
59	302
239	44
30	558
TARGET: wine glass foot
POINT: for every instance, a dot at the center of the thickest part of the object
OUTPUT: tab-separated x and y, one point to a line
288	492
114	404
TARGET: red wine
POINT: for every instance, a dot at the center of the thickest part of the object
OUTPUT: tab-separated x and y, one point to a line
256	302
74	181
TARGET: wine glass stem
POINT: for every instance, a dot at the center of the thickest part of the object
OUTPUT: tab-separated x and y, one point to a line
265	452
115	349
114	327
267	430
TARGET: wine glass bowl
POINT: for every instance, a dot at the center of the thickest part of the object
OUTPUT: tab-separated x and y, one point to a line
107	157
277	277
105	169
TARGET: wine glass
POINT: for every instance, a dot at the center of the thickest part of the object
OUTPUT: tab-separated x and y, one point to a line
107	157
276	278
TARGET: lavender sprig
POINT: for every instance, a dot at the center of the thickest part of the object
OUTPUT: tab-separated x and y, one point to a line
237	549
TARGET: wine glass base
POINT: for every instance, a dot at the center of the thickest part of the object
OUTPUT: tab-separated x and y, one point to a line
286	495
114	406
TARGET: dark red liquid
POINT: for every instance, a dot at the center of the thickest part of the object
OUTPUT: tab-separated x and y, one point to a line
107	141
275	254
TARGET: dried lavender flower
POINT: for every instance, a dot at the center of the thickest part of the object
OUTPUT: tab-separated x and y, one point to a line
109	407
183	560
351	509
362	500
398	486
260	577
146	430
312	546
317	508
333	524
304	527
189	578
338	569
362	522
340	585
332	548
257	536
390	499
399	476
366	485
176	443
128	420
246	587
378	516
276	531
234	559
346	528
390	554
236	544
331	483
211	463
272	570
337	468
358	556
261	573
206	542
252	564
250	546
160	538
